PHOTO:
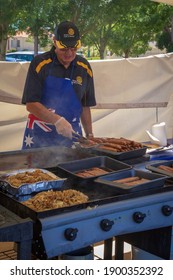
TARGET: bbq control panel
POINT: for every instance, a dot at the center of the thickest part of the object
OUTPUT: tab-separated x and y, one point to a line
81	228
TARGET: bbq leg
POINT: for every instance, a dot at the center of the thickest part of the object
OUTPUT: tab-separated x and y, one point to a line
119	248
108	249
24	250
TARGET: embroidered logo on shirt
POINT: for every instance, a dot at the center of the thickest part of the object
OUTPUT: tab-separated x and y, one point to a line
78	81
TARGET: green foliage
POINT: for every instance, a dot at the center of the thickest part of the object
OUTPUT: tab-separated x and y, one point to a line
125	27
9	9
164	37
12	50
164	41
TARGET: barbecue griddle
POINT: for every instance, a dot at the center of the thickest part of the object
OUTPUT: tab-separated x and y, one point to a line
155	180
38	158
106	214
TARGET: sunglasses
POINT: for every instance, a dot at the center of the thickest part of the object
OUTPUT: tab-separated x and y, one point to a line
66	49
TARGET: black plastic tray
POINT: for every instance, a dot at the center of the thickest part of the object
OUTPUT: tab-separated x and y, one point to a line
155	180
122	155
71	168
154	167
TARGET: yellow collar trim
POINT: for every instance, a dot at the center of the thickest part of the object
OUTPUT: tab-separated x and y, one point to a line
86	67
41	64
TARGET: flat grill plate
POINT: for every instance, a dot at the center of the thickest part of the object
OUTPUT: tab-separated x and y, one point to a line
98	194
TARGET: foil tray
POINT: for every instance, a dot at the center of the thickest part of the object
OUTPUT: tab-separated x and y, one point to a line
154	181
26	189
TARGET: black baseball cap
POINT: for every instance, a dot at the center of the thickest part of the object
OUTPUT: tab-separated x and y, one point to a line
67	35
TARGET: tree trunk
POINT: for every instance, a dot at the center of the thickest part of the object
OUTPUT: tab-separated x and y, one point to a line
35	44
3	44
3	41
172	29
126	54
102	48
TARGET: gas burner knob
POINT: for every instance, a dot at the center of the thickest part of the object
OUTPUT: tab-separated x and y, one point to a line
138	217
106	224
167	210
71	233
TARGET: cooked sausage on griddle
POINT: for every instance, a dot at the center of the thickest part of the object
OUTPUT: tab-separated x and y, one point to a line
115	141
113	144
104	147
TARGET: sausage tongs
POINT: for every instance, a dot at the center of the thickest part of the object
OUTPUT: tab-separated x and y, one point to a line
79	137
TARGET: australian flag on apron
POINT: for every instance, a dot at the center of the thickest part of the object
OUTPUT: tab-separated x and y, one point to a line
59	97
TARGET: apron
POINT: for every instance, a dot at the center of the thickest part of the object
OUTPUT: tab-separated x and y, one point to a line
59	97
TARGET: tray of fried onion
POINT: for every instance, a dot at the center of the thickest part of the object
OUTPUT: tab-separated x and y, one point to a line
28	181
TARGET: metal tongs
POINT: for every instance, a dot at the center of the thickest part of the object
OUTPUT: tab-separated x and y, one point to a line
160	149
79	137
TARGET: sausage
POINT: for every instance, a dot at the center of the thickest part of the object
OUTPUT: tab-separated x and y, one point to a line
166	168
127	180
116	146
116	141
98	140
133	143
122	144
137	182
95	171
103	147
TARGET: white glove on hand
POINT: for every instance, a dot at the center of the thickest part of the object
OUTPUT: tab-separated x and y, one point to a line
64	128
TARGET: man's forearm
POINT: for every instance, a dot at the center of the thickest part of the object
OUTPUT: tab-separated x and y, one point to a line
86	121
41	112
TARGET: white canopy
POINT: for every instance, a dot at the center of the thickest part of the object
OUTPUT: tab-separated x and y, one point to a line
132	94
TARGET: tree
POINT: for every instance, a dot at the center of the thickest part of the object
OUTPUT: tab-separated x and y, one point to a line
41	20
140	25
125	26
116	25
9	9
94	19
36	17
164	38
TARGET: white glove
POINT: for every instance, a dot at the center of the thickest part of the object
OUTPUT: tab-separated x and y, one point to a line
63	127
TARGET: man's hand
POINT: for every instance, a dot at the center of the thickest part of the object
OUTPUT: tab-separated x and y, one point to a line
64	128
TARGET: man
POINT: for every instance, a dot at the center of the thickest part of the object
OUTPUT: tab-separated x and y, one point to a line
59	92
